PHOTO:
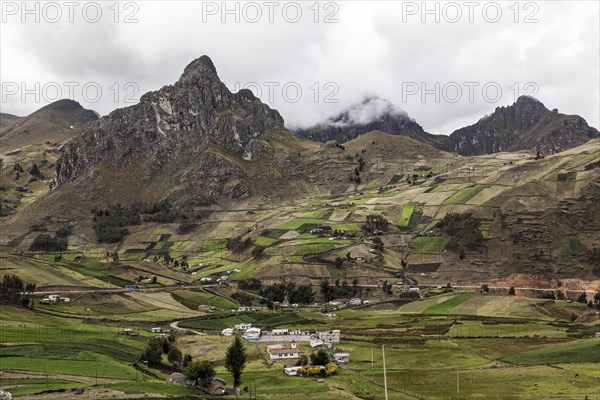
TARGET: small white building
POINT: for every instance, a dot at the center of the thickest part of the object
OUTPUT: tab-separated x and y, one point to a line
279	331
227	332
355	302
291	371
206	279
316	343
245	309
243	327
331	337
252	334
342	357
278	352
55	298
156	330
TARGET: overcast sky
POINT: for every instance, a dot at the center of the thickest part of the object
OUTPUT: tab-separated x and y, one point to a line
445	74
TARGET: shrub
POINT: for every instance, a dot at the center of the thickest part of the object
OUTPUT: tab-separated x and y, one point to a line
319	358
45	242
202	371
375	222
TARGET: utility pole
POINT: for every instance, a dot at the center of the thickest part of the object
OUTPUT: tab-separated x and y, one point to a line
384	372
457	385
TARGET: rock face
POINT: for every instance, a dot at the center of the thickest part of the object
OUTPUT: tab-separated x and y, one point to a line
186	119
372	114
525	125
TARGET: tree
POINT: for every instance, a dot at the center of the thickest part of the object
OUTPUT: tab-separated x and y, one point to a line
375	222
200	370
154	351
339	262
303	360
235	360
257	252
511	291
326	290
319	358
187	359
174	356
11	291
378	244
582	298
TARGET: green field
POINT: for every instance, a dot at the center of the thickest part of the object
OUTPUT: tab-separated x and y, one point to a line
297	223
428	244
485	229
350	227
192	299
464	195
448	305
407	211
586	350
265	241
574	246
96	272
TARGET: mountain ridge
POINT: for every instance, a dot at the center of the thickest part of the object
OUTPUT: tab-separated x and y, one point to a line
525	125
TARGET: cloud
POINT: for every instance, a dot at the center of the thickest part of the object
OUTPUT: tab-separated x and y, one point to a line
443	74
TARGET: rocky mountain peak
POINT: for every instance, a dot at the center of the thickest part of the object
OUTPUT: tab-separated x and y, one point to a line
525	125
370	114
182	120
199	72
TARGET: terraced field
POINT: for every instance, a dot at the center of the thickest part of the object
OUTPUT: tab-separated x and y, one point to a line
500	306
428	244
464	195
447	306
420	306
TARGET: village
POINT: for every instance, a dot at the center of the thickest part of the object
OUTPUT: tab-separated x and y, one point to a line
300	353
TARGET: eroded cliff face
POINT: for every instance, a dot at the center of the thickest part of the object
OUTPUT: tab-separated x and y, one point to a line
525	125
186	119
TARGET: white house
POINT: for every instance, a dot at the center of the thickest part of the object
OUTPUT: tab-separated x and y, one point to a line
227	332
245	309
278	352
355	301
316	343
243	327
252	334
156	330
342	357
329	336
291	371
205	279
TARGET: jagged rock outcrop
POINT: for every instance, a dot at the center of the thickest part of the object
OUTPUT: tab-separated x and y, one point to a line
35	172
196	114
372	114
525	125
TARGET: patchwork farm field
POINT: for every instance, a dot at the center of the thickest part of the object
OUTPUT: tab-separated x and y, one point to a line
427	344
441	342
